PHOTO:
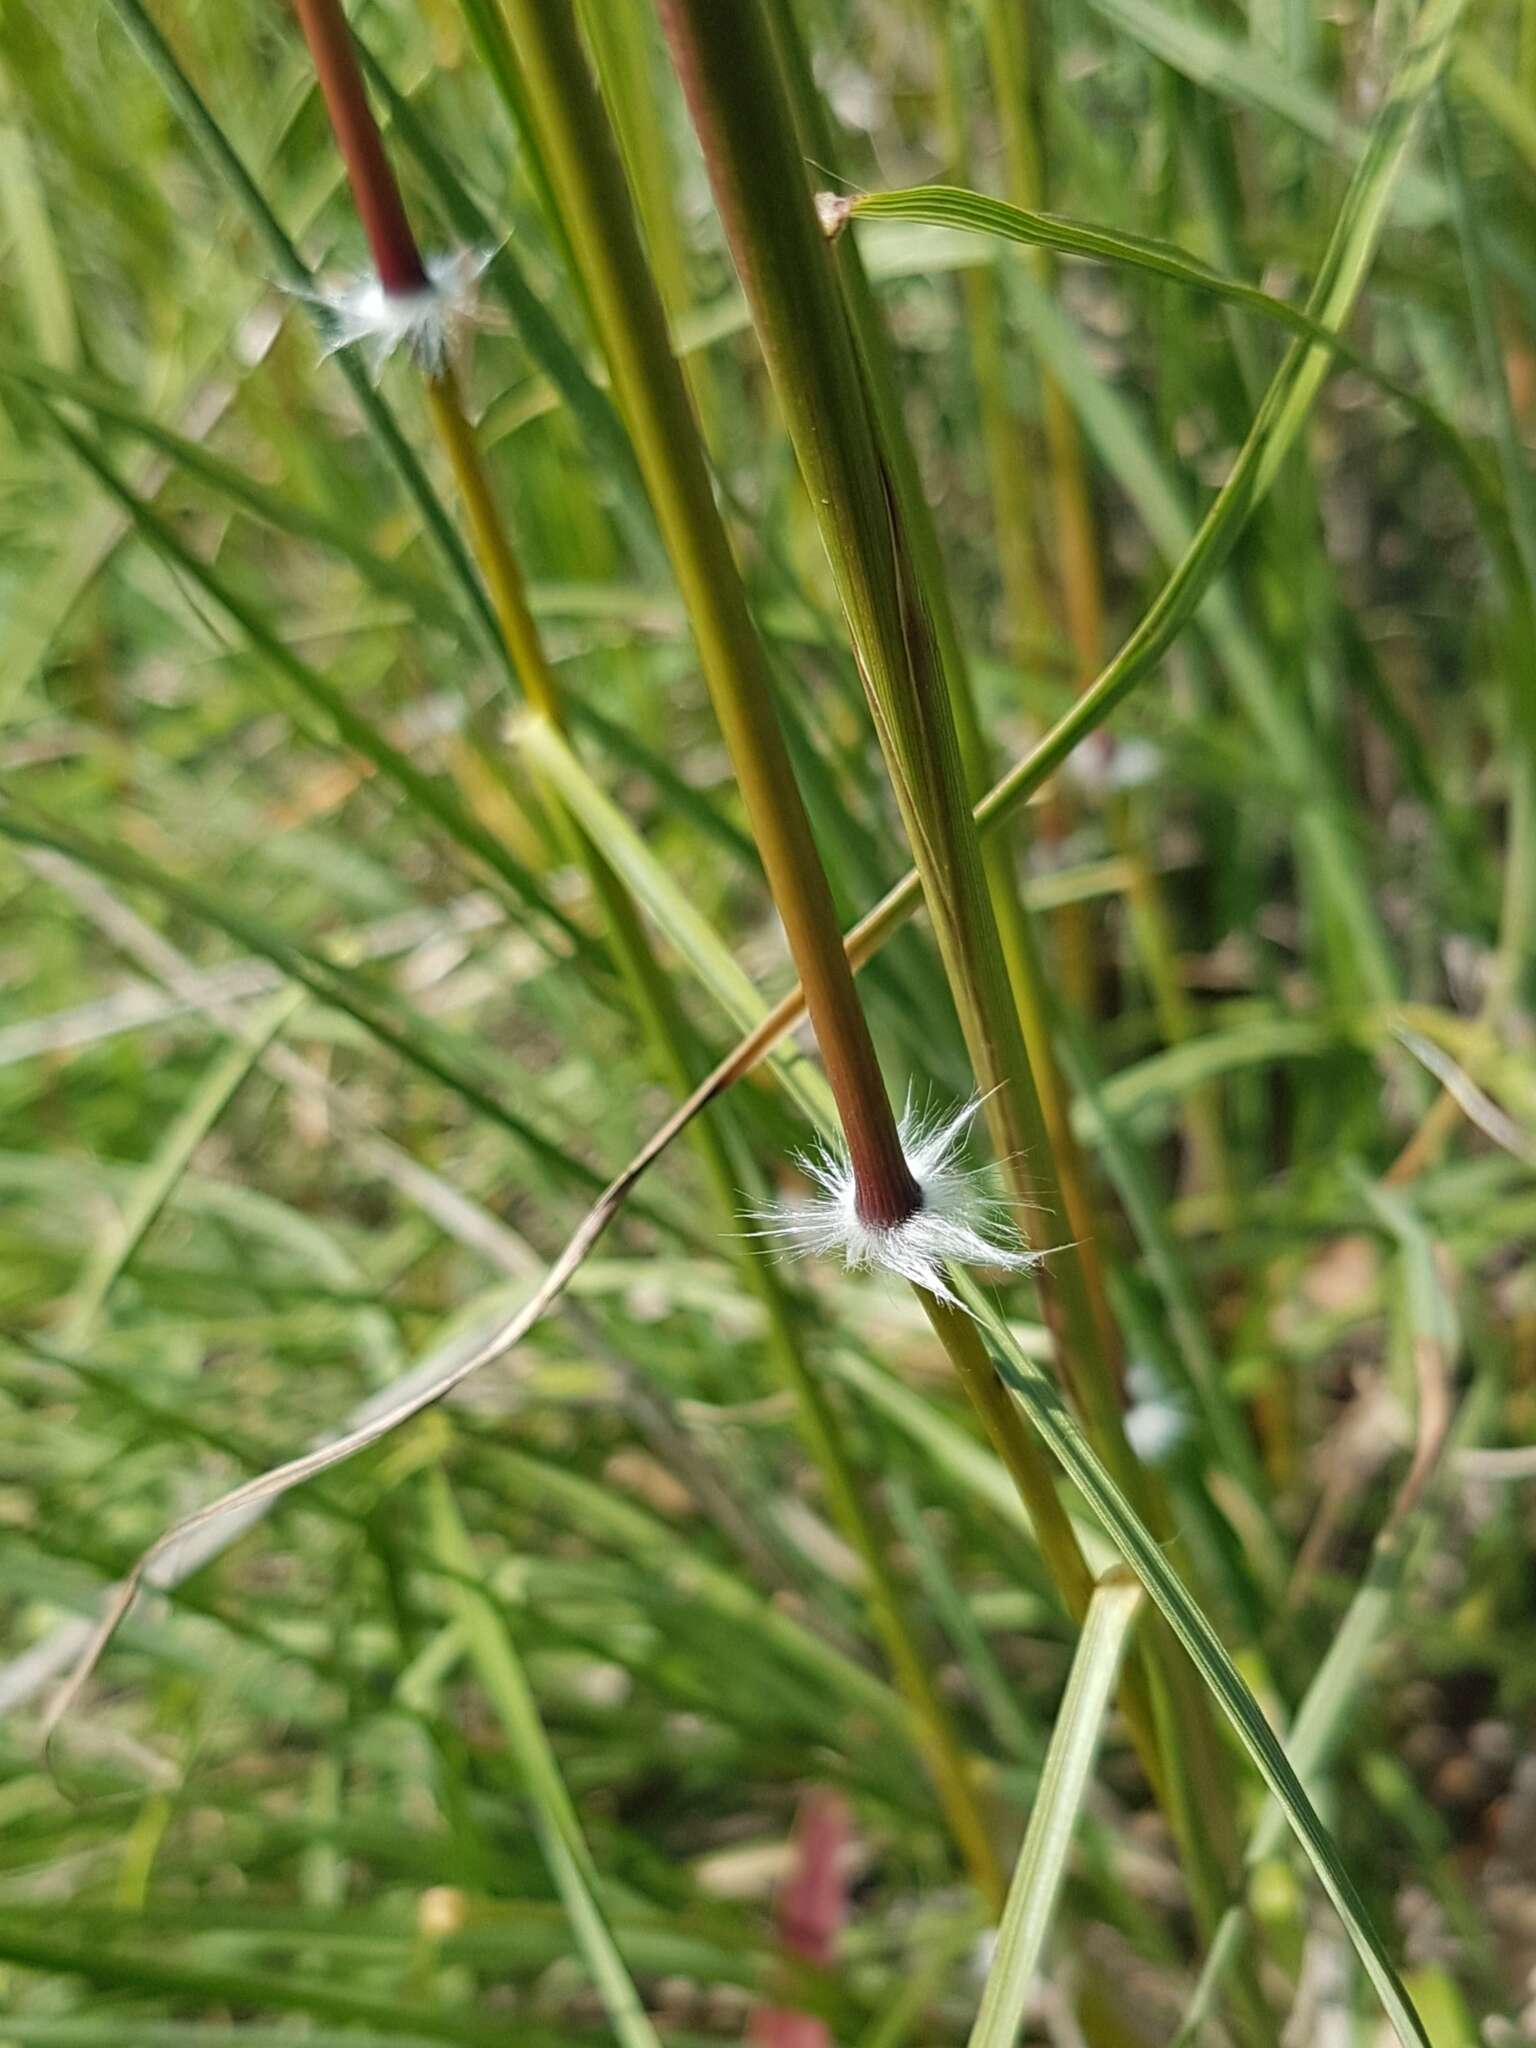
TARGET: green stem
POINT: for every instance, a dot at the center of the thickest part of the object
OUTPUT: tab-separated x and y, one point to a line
586	176
651	394
293	272
616	34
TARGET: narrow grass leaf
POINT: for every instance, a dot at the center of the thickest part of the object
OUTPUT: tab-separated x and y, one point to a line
1042	1864
947	206
154	1974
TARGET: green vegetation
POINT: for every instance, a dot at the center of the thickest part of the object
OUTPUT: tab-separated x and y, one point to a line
547	544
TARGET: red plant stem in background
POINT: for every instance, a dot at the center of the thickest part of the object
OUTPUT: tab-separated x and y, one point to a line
813	1906
395	254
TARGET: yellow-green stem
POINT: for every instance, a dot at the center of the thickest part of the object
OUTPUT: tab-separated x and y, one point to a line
587	177
730	73
858	1519
1000	1417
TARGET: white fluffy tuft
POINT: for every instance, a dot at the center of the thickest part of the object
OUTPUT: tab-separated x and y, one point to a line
961	1218
425	323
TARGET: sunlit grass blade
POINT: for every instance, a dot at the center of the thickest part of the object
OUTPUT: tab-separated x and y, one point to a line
1042	1862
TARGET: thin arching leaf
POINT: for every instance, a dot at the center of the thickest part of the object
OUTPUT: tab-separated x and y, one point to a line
1042	1861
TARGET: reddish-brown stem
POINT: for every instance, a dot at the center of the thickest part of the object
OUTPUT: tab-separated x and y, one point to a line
380	207
884	1191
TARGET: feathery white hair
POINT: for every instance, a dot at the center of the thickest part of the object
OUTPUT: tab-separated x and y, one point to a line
960	1217
424	322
